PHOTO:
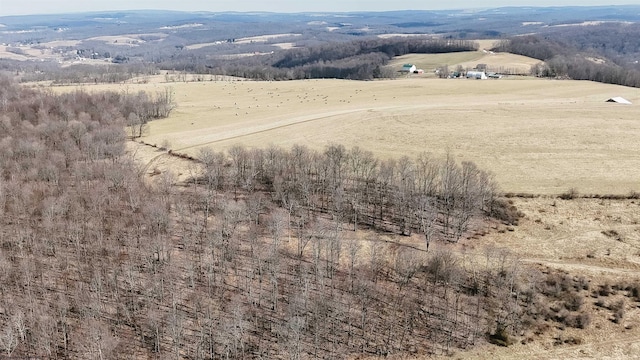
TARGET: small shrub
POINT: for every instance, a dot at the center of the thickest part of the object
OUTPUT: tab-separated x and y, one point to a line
505	211
580	321
573	301
605	289
634	290
612	234
571	194
583	283
618	316
501	337
560	340
562	316
618	310
573	340
541	328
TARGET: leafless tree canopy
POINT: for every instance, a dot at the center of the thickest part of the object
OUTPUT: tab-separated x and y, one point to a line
255	257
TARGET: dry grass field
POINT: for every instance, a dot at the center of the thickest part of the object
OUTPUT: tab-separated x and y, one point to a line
128	40
430	62
536	136
495	62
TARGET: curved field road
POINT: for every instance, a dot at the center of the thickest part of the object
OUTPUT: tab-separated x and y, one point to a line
238	133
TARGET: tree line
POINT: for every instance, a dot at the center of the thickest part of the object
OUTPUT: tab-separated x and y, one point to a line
426	194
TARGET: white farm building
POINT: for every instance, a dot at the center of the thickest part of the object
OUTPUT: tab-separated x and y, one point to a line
476	75
408	68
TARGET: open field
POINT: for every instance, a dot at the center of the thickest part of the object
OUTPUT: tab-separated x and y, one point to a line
537	136
496	62
250	40
128	40
263	38
430	62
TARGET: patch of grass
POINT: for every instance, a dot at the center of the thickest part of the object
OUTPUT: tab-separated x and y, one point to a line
579	321
570	340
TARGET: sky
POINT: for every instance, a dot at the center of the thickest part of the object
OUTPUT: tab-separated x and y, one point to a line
27	7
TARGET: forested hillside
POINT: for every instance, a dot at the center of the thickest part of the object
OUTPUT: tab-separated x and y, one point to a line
255	256
583	58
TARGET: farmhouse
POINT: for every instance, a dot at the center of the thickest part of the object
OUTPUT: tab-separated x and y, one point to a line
408	68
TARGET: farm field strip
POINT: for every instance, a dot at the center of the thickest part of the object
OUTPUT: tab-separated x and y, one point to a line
536	136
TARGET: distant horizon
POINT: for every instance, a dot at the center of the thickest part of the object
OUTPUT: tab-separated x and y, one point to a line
44	7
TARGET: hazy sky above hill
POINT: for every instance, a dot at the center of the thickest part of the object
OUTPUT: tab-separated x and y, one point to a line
17	7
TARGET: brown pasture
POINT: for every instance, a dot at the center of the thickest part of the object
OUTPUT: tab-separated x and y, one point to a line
537	136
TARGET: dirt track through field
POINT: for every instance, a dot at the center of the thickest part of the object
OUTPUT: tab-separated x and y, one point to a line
237	134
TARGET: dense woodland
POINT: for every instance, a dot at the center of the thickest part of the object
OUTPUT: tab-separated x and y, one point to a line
566	61
255	256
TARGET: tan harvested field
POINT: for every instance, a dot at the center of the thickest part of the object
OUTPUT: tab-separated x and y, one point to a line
202	45
4	54
430	62
496	62
127	40
537	136
263	38
285	46
389	36
503	62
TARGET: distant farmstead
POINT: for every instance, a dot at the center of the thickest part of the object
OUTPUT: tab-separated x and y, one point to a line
408	68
